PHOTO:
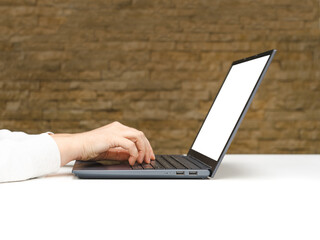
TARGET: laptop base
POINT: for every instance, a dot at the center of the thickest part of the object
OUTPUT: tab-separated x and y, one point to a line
157	174
166	166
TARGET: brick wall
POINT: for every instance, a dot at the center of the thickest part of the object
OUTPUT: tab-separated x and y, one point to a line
73	65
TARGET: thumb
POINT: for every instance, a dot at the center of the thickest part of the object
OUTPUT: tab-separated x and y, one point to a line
117	154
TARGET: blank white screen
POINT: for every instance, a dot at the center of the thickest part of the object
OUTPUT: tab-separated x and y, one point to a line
228	107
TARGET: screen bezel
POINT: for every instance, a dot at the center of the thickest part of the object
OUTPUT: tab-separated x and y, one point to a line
214	163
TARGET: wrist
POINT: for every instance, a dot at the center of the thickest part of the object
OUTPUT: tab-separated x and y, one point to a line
68	147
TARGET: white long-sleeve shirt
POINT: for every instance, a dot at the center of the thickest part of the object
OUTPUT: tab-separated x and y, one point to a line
24	156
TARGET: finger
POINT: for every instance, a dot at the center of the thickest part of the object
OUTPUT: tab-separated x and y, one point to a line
130	146
138	138
152	156
147	155
147	148
148	151
141	145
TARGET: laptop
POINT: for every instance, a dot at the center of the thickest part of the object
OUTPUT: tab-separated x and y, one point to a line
213	139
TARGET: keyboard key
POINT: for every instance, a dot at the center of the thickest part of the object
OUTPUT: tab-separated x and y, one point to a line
184	161
174	162
164	163
137	166
147	166
156	165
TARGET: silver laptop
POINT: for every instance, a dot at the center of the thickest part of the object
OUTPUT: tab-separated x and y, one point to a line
213	139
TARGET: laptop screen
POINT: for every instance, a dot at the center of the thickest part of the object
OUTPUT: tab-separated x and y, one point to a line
228	106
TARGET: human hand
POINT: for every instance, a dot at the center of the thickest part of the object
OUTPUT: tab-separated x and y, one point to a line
114	141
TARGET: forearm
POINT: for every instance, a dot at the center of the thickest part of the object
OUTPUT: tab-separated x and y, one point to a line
34	156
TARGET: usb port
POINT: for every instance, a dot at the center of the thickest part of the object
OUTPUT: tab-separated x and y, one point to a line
180	172
193	173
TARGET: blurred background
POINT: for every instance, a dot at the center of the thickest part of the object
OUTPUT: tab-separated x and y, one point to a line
156	65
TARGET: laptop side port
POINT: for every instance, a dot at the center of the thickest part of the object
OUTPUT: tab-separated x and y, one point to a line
193	173
179	172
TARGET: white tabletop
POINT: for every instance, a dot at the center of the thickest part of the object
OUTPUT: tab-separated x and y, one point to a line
251	197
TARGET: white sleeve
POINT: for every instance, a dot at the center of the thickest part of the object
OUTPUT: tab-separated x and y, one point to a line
24	156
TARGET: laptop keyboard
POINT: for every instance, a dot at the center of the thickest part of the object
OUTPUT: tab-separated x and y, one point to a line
171	162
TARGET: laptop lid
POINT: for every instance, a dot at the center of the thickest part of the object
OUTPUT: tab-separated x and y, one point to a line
229	108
